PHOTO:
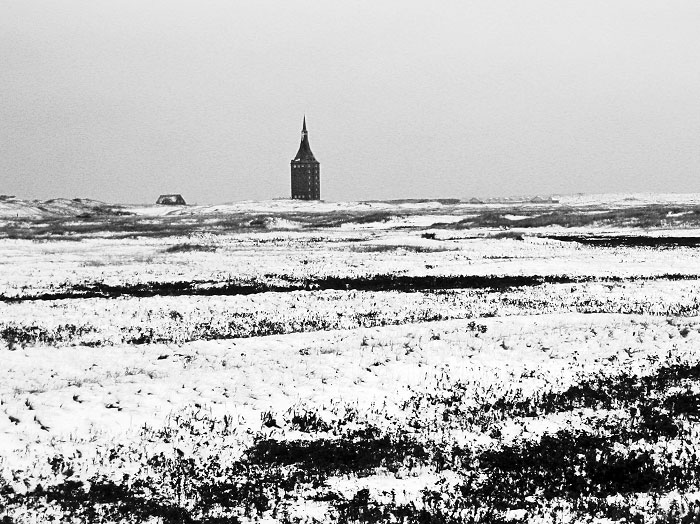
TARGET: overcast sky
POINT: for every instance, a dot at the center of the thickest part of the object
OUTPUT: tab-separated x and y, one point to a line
122	100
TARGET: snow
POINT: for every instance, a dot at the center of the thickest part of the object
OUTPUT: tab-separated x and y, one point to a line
76	391
96	386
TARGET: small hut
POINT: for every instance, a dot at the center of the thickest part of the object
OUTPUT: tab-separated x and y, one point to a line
171	200
475	200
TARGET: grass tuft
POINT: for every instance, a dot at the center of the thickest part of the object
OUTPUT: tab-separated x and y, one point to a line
187	248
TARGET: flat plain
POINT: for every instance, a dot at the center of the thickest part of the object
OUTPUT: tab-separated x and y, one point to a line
404	361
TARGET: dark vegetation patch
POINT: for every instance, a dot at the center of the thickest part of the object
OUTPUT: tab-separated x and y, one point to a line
577	464
309	422
512	235
390	282
563	463
629	241
104	501
355	453
15	335
188	248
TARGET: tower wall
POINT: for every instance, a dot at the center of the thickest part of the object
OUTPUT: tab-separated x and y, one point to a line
306	180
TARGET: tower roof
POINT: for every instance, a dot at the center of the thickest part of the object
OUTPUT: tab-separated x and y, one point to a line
304	154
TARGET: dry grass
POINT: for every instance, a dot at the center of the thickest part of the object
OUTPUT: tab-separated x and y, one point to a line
115	225
388	248
642	216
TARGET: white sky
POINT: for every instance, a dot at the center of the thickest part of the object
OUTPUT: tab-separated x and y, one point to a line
122	100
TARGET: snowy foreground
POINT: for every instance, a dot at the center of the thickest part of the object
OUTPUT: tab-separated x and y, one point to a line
417	362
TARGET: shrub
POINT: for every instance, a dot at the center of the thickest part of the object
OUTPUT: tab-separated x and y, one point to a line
186	248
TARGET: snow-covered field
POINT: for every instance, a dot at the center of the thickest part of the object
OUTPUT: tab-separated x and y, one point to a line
351	362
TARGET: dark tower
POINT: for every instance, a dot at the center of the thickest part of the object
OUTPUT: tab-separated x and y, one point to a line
306	171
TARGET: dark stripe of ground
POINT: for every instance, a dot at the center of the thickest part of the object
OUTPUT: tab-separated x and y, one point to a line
375	283
629	240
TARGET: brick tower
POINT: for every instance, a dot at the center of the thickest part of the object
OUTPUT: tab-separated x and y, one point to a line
306	171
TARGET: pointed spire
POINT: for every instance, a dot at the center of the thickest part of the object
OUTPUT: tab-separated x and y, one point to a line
304	153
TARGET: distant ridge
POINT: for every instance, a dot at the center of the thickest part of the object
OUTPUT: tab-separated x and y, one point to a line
13	207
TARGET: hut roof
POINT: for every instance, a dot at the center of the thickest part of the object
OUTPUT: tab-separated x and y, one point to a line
171	200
